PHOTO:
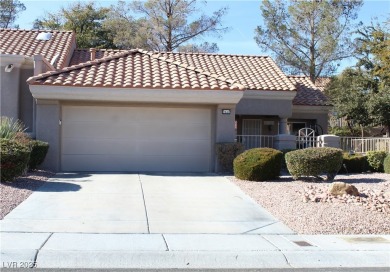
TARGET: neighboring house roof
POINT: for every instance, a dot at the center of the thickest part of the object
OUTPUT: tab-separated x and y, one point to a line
253	72
24	42
84	55
136	69
322	82
307	93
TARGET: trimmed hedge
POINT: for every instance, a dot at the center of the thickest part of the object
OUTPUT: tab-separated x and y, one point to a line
14	159
386	164
38	153
354	163
258	164
375	160
285	151
314	161
226	153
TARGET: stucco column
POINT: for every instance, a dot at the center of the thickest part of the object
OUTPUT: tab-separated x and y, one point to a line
283	129
224	123
9	85
224	127
48	130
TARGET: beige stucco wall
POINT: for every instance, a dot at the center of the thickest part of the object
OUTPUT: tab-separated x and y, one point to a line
9	89
16	98
248	106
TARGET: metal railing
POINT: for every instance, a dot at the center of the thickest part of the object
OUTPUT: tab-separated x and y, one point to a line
254	141
305	142
363	145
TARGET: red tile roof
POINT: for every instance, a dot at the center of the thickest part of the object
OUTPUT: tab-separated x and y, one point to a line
84	55
136	69
307	93
24	42
253	72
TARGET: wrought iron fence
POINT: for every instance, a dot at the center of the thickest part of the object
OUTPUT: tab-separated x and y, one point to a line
363	145
254	141
307	141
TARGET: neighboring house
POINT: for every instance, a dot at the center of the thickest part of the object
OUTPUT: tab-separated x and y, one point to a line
23	53
134	110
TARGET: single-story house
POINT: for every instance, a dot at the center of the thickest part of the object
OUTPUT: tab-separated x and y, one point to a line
134	110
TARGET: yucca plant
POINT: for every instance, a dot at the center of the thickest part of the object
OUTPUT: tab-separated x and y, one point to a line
10	128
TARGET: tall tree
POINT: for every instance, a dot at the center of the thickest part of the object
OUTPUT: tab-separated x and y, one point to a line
164	25
362	93
127	32
9	10
199	48
309	36
85	19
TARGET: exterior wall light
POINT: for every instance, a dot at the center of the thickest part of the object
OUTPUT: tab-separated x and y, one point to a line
9	68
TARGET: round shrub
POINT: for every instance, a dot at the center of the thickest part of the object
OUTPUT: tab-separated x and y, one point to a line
354	163
314	161
386	164
258	164
38	153
14	159
375	160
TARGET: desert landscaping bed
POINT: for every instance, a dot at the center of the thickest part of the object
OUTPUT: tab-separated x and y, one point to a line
14	193
307	207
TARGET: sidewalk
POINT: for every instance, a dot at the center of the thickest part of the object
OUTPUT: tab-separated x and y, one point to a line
88	250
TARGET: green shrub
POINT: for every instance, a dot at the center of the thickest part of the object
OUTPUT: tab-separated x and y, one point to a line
354	163
14	159
285	151
38	153
386	164
375	160
10	129
226	153
258	164
314	161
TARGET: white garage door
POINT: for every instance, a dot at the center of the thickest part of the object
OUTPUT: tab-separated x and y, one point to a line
135	139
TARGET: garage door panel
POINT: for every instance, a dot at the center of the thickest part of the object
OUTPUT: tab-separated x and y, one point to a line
95	163
126	147
87	114
188	148
187	131
75	146
133	164
136	139
99	130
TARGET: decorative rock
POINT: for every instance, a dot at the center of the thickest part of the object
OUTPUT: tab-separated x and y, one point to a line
342	188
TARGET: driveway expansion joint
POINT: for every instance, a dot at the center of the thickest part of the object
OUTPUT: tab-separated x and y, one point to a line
165	241
39	249
144	201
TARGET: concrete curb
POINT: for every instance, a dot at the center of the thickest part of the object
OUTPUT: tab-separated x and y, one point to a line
195	251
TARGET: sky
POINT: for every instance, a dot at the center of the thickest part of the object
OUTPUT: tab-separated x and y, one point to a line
242	19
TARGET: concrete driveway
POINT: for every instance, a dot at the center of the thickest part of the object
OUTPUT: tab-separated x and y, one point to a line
141	203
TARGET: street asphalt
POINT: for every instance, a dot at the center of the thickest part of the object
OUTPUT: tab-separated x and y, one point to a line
168	222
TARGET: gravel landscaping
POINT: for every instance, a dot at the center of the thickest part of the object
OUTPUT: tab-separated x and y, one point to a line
14	193
307	207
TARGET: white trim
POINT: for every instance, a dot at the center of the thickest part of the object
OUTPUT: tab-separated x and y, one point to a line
310	109
135	95
271	95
